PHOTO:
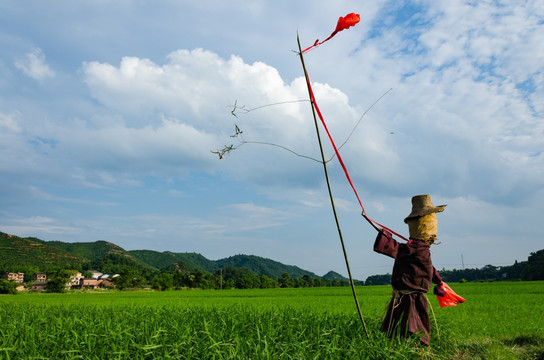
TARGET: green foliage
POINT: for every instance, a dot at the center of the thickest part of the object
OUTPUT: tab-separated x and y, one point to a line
162	281
267	283
285	281
535	267
58	280
195	279
114	263
8	287
128	279
378	280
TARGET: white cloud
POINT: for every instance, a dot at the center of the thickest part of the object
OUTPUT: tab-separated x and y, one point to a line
10	122
36	224
444	127
34	65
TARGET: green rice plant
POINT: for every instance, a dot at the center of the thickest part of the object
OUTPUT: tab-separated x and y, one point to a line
141	332
499	320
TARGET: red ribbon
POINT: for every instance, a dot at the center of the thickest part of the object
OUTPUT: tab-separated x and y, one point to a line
314	103
343	23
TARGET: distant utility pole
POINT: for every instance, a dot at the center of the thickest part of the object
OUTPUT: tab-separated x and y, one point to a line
220	279
463	261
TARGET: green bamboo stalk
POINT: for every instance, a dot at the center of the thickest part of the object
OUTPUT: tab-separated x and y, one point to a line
330	190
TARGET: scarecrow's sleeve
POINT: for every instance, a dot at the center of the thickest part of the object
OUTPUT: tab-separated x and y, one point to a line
385	244
436	277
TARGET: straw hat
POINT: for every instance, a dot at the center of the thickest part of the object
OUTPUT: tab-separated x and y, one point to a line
421	206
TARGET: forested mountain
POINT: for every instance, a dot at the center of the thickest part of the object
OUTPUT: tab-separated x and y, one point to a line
161	260
262	266
35	255
256	264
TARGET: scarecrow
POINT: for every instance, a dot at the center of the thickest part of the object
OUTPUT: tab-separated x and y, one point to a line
407	312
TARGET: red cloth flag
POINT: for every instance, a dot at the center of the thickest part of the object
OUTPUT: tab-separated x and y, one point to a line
450	298
346	22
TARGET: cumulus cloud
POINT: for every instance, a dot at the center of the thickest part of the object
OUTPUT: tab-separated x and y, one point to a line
198	90
33	65
436	127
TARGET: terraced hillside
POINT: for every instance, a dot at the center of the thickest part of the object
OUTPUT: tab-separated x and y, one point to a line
18	252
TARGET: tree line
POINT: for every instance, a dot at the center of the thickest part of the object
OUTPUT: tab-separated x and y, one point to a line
227	278
532	269
168	279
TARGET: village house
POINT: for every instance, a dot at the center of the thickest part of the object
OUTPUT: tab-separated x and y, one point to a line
75	280
40	281
95	274
108	276
105	283
89	283
39	277
17	277
39	285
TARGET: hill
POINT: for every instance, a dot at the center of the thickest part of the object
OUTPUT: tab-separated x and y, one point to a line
256	264
162	260
19	253
33	254
331	275
263	266
90	251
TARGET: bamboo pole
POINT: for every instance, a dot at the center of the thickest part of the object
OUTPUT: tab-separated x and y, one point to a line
329	188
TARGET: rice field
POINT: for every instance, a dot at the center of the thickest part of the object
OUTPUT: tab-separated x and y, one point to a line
499	321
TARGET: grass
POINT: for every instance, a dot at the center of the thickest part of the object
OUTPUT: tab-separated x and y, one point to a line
498	321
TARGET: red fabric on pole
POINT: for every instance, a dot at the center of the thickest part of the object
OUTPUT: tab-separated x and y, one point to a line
314	103
343	23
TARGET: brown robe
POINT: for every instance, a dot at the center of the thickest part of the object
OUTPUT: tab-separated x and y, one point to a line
413	272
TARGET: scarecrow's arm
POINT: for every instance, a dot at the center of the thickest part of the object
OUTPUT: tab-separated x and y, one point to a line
436	277
438	290
385	244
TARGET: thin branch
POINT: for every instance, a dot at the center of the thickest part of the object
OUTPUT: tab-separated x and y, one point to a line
280	146
362	116
245	111
359	121
243	108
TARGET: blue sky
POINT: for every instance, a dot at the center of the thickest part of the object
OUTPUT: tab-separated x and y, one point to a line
109	112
